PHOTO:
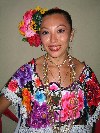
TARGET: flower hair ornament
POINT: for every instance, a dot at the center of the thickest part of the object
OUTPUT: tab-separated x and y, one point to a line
29	27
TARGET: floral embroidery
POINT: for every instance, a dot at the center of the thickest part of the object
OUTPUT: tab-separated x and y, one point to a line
93	93
26	99
40	97
37	82
54	94
82	77
53	87
13	85
92	87
39	116
35	110
23	75
71	105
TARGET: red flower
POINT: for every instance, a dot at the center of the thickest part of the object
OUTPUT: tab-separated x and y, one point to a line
34	11
37	82
13	85
93	93
34	40
82	78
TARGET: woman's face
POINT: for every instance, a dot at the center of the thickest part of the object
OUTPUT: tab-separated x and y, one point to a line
55	34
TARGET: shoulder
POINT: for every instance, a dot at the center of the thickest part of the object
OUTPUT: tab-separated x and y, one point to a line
79	66
83	70
40	60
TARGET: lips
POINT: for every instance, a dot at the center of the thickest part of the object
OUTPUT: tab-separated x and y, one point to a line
54	47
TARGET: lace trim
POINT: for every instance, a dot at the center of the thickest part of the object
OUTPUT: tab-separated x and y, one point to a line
11	96
81	129
94	117
31	130
75	129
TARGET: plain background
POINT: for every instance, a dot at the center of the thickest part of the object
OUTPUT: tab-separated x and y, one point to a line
14	53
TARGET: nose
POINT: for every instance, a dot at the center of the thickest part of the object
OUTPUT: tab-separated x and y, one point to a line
53	38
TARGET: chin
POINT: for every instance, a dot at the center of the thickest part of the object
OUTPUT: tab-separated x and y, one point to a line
54	54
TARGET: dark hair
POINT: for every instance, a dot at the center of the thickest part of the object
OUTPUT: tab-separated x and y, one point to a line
59	11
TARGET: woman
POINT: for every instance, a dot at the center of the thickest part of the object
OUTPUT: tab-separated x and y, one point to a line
55	93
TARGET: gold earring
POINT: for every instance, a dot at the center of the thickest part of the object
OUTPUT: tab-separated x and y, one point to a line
70	40
42	48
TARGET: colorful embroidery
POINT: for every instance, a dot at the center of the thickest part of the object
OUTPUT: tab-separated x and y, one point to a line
40	97
71	105
23	75
26	99
25	86
39	116
13	85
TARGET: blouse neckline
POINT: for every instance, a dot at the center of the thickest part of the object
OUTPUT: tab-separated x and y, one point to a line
64	88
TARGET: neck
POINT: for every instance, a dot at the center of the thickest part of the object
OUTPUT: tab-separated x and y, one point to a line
58	60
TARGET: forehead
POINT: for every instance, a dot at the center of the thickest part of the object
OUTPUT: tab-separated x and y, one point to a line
54	19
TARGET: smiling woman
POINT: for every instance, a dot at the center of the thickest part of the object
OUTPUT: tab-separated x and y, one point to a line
55	93
55	35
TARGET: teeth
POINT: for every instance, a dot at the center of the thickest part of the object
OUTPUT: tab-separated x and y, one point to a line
54	48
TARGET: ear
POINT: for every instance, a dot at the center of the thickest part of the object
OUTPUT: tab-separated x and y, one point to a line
72	35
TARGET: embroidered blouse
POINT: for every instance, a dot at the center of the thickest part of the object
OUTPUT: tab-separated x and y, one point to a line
27	93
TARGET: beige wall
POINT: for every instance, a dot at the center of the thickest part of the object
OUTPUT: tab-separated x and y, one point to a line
14	52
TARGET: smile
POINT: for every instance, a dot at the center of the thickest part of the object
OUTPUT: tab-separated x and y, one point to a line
54	48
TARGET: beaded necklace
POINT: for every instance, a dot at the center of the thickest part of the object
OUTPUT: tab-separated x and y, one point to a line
57	126
58	66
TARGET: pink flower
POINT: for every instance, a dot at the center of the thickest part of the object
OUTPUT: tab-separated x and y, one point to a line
29	32
29	27
53	87
28	16
25	25
13	85
71	105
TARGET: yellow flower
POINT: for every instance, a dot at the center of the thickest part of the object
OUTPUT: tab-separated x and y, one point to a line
38	8
33	26
42	11
21	24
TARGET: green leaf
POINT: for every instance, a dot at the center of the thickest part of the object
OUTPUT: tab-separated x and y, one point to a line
24	39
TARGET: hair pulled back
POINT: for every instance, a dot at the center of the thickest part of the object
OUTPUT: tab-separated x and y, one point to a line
59	11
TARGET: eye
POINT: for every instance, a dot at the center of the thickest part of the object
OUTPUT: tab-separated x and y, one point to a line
61	30
44	32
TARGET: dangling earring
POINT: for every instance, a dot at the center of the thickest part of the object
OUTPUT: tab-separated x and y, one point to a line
42	48
70	41
70	47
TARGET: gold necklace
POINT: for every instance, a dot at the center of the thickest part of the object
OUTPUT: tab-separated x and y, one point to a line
58	66
58	79
48	95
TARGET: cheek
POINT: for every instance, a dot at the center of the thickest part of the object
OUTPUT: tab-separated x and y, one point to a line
64	39
45	39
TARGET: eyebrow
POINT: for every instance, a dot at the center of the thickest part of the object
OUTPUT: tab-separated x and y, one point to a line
57	26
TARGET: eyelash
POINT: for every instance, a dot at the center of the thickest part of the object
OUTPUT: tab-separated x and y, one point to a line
45	32
59	31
